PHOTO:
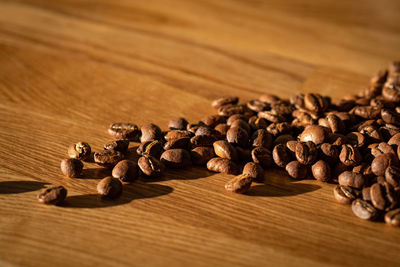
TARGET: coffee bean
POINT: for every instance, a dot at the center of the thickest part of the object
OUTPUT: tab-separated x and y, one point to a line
176	158
335	124
391	93
394	140
126	171
269	98
122	130
204	130
377	196
222	129
52	195
80	150
296	170
392	218
279	128
229	110
348	178
183	143
315	103
152	148
178	124
261	138
150	132
283	139
234	117
71	167
177	134
223	166
313	133
201	155
363	210
364	169
321	171
257	105
291	145
356	139
390	116
108	157
257	123
366	194
339	169
366	112
329	153
381	162
224	149
344	194
255	171
306	153
381	148
242	124
262	156
281	155
118	145
150	166
337	139
213	120
392	175
202	140
223	101
109	187
237	136
240	184
350	155
271	116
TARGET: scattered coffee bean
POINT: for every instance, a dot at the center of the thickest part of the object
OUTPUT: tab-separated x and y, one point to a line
176	158
262	156
349	178
178	124
392	218
223	101
363	210
237	136
223	166
240	184
71	167
153	148
255	171
150	132
126	171
321	171
150	166
281	155
313	133
108	157
118	145
306	153
52	195
296	170
201	155
80	150
344	194
109	187
127	131
350	155
381	162
202	140
224	149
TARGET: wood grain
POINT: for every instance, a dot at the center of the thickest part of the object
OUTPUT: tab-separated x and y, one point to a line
70	68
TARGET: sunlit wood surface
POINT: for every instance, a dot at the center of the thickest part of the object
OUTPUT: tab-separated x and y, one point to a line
70	68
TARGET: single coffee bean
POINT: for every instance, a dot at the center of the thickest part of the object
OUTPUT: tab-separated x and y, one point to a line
150	166
321	171
201	155
150	132
177	134
279	128
372	133
223	101
296	170
109	187
271	116
224	149
126	171
344	194
315	103
356	139
350	155
392	218
223	166
118	145
335	124
269	98
202	140
257	105
52	195
71	167
80	150
204	130
392	175
391	196
176	158
348	178
234	117
366	112
281	155
122	130
377	196
255	171
178	124
152	148
329	153
262	138
213	120
306	153
394	140
390	116
183	143
262	156
381	162
366	194
222	129
257	123
237	136
240	184
229	110
242	124
363	210
291	145
381	148
108	157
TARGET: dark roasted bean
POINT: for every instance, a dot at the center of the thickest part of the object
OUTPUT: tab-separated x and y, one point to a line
329	153
183	143
108	157
255	171
237	136
262	156
261	138
118	145
150	166
381	148
223	166
153	148
381	162
314	133
258	123
202	140
321	171
80	150
122	130
177	134
356	139
377	196
224	149
240	184
344	194
204	130
201	155
392	175
306	153
229	110
257	105
109	187
126	171
392	218
234	117
362	209
71	167
52	195
242	124
178	124
222	129
223	101
150	132
350	155
176	158
349	178
296	170
281	155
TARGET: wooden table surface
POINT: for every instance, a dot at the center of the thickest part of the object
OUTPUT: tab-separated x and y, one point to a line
70	68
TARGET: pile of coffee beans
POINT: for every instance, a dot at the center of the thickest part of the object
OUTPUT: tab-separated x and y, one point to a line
353	143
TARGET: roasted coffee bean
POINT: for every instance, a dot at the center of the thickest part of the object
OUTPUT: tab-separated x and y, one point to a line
242	124
381	162
152	148
339	168
262	138
391	93
306	153
366	112
223	101
234	117
344	194
394	140
356	139
192	127
321	171
255	171
177	134
372	133
349	178
80	150
269	98
272	116
291	145
223	166
381	148
108	157
202	140
176	158
377	196
257	105
150	166
315	103
337	139
71	167
118	145
237	136
281	155
150	132
240	184
314	133
204	130
279	128
303	119
224	149
388	131
183	143
329	153
109	187
126	171
392	218
392	175
350	155
229	110
257	123
391	196
335	124
201	155
52	195
363	210
390	116
262	156
221	130
282	108
296	170
122	130
364	169
366	194
178	124
283	139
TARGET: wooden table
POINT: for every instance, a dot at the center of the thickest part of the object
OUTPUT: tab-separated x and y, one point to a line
70	68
